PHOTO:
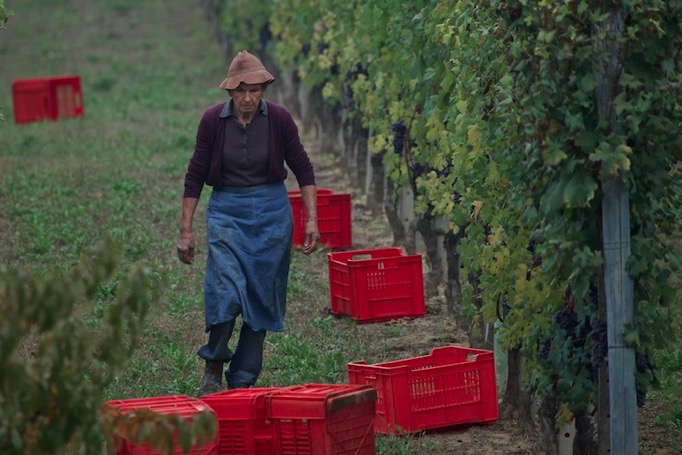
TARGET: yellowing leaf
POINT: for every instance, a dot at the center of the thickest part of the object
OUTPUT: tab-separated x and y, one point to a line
378	143
495	236
565	413
478	205
614	160
454	227
474	137
553	154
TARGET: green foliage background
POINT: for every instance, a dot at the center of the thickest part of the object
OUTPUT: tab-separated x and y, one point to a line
499	101
51	396
5	14
4	17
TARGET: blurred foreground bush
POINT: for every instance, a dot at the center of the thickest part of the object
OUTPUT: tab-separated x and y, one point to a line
57	355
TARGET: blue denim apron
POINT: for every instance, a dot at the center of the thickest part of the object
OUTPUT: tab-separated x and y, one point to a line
249	246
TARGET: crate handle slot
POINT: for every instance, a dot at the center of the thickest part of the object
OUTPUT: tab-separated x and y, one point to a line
387	265
478	354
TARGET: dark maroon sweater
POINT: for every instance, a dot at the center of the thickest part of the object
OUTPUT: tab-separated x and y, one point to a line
285	146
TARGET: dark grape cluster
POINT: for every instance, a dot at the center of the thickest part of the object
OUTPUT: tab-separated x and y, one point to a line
503	307
545	350
584	332
600	345
445	171
567	320
641	397
322	47
354	72
537	260
265	36
399	130
456	198
506	308
642	362
417	169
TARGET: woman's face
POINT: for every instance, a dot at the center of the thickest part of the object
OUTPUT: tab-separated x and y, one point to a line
246	98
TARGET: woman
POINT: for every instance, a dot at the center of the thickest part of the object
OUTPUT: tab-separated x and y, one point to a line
241	147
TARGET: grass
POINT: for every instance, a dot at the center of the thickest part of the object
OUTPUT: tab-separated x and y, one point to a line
148	70
663	418
147	74
663	413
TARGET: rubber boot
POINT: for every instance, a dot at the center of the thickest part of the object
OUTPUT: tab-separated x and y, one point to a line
212	382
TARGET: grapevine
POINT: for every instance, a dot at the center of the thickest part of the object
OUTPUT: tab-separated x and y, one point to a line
489	109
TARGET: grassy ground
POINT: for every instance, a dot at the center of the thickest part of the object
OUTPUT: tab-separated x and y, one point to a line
661	418
149	69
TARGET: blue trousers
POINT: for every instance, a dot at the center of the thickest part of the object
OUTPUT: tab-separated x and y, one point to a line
245	363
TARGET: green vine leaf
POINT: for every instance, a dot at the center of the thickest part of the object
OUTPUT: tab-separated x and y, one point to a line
579	190
613	160
631	337
507	140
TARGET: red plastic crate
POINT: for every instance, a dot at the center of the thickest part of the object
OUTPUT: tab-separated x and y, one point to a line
323	419
181	405
376	285
47	98
243	427
333	218
451	386
130	404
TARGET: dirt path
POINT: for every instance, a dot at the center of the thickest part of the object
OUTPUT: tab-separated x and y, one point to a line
407	338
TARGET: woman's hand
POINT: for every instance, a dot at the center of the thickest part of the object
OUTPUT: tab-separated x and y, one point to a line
312	236
312	233
185	247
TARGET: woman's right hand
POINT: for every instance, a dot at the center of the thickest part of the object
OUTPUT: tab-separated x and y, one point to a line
185	247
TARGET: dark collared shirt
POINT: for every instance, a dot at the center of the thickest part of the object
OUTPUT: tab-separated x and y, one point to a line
205	166
245	153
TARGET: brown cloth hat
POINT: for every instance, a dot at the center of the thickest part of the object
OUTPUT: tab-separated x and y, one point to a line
248	69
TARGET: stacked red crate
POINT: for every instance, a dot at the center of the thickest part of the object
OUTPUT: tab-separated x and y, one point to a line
333	218
243	427
308	419
323	419
179	405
